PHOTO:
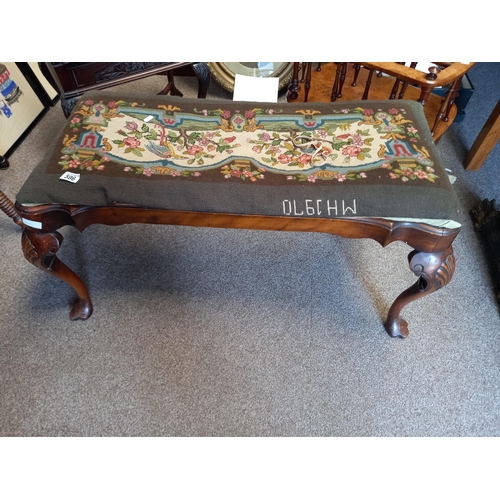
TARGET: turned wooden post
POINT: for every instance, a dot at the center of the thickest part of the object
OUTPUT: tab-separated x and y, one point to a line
8	208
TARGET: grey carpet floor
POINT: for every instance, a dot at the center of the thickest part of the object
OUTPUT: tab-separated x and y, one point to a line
212	332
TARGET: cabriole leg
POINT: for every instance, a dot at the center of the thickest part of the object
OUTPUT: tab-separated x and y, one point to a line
434	270
40	250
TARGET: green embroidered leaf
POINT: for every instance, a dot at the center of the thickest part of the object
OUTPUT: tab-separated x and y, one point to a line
145	128
136	152
172	134
117	141
267	160
191	161
276	136
361	156
277	142
368	141
128	150
293	163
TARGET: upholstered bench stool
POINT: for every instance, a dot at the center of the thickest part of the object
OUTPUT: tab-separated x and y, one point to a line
365	169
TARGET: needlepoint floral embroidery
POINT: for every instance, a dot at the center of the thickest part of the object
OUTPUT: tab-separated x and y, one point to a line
256	144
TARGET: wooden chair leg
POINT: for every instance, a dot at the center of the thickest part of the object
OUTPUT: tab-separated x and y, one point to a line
307	84
434	270
40	250
294	87
485	141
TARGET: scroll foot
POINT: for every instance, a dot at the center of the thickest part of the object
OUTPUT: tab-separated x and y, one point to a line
40	250
435	271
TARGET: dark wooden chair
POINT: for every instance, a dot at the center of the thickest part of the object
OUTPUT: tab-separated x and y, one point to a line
73	79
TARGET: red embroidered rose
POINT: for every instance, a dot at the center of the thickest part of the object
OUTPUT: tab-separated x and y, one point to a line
192	150
351	151
132	142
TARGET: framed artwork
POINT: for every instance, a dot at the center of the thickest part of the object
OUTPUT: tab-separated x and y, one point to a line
22	105
224	72
51	93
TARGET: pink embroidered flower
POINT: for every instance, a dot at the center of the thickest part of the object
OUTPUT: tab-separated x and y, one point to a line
249	113
210	135
226	115
235	173
205	112
75	120
363	174
197	174
271	111
87	164
284	159
392	175
304	158
385	165
247	173
132	142
105	158
265	137
112	105
74	163
311	178
344	111
289	177
405	179
131	126
421	174
368	112
351	151
192	150
100	167
210	147
229	151
89	103
393	111
175	173
256	149
147	171
412	130
341	177
228	140
429	169
127	169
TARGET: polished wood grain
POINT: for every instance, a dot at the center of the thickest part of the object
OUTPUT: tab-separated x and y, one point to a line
347	82
431	255
485	141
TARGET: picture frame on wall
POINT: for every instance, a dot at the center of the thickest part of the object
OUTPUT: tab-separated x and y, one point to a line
22	106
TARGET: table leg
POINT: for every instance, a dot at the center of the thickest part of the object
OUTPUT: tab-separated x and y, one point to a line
434	270
40	250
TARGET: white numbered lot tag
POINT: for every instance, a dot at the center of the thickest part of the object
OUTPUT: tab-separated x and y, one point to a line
70	177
